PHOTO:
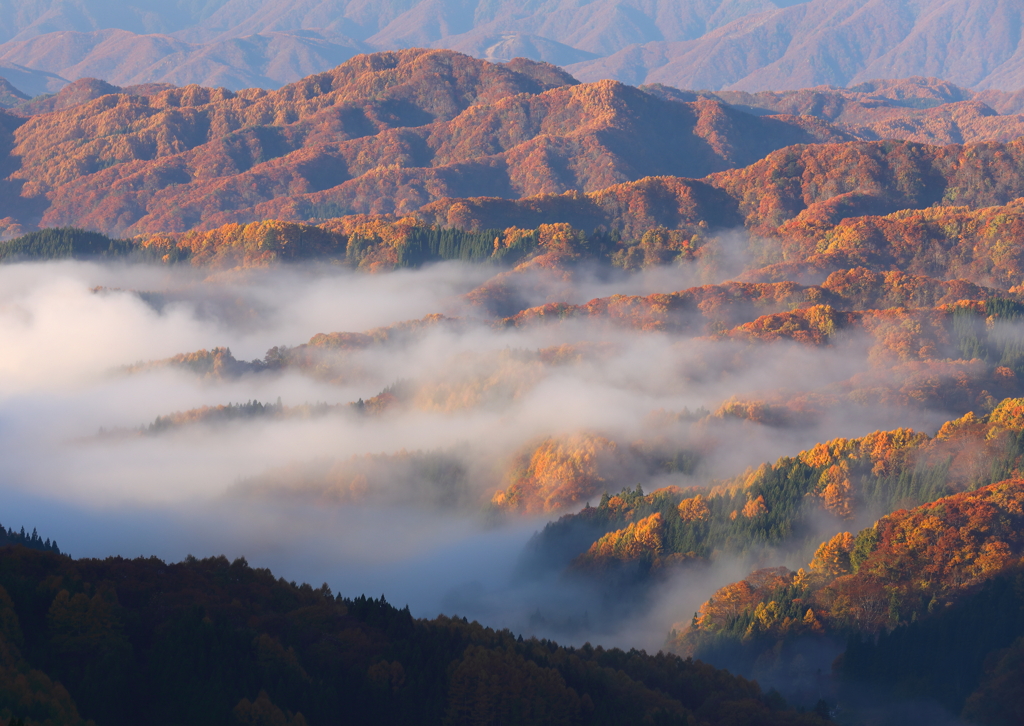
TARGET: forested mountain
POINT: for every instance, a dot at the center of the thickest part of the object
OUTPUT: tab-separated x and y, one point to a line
744	44
389	22
928	110
912	573
896	594
447	137
784	506
119	641
382	133
239	44
568	358
9	95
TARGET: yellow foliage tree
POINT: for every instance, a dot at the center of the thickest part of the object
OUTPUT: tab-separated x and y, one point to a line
754	508
694	509
832	558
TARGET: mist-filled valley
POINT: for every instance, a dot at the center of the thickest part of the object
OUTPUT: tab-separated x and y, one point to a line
436	390
387	433
382	464
525	446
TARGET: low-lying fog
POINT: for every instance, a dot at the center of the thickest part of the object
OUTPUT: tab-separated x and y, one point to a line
67	328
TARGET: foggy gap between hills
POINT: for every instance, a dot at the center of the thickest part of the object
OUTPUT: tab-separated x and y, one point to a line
182	492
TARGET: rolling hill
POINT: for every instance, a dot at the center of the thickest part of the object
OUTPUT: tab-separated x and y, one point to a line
458	141
386	132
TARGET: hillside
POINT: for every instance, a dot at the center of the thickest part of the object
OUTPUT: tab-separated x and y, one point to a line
925	110
239	44
445	126
9	95
788	505
265	60
450	138
458	141
121	641
940	563
800	195
913	573
386	23
29	82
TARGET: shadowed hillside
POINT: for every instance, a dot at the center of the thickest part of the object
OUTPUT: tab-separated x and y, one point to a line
126	638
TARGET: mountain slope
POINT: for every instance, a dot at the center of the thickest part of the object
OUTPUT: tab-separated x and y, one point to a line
9	95
391	24
126	638
234	42
454	140
387	132
914	572
31	82
842	43
926	110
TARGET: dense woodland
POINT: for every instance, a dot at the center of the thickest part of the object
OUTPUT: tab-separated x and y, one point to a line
32	541
119	641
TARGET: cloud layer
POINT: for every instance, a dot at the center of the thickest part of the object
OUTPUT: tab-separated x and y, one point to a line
482	393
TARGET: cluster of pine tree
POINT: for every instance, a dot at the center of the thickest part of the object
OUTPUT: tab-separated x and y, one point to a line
32	541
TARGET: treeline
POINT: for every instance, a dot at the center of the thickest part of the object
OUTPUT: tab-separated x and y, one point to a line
247	411
32	541
260	243
209	414
371	245
432	244
69	243
217	642
984	335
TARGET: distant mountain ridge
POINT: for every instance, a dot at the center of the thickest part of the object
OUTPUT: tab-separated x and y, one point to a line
974	43
472	144
708	44
237	43
119	56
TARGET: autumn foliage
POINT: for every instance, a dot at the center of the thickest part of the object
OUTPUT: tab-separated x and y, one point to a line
383	133
560	472
906	565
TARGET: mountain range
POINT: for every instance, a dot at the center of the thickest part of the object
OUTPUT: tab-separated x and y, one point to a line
768	331
705	44
440	134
